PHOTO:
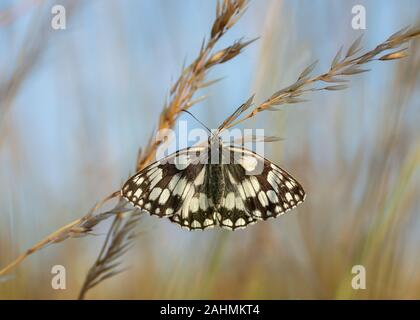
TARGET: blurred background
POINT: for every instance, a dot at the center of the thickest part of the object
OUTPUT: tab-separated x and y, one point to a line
76	104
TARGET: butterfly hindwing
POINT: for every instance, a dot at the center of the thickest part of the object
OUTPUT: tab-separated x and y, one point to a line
234	212
197	211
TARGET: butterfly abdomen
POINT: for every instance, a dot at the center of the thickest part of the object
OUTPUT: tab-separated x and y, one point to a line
216	183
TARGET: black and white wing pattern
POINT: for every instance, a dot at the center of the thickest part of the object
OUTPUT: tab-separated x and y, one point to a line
234	212
260	196
197	211
174	187
179	187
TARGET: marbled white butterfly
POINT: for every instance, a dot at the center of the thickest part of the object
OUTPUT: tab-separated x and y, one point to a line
215	184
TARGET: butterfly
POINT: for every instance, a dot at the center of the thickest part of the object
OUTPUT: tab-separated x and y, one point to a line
214	185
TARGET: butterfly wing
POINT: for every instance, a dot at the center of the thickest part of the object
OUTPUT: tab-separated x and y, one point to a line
234	211
197	210
162	187
267	194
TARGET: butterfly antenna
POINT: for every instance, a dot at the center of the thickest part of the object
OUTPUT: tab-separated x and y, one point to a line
198	121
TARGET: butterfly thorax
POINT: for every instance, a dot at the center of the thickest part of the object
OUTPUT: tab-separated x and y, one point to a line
215	177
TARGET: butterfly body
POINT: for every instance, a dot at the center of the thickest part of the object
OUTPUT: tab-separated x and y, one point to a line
215	178
200	187
214	184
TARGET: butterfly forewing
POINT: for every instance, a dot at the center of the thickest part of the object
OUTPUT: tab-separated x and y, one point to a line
162	187
234	212
256	190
